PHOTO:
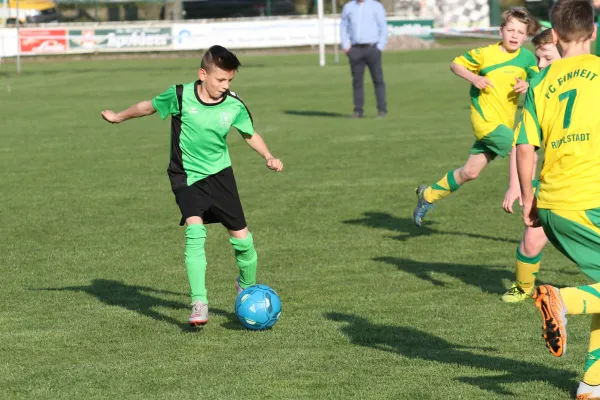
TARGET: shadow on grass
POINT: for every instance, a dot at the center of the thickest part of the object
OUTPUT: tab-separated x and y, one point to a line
143	300
309	113
487	278
407	228
415	344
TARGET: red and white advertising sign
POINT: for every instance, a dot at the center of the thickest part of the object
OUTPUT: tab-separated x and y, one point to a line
37	41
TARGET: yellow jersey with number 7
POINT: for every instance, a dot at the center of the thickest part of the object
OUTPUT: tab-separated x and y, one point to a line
562	113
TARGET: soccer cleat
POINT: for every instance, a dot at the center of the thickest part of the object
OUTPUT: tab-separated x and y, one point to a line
554	314
588	392
422	206
238	288
199	315
515	294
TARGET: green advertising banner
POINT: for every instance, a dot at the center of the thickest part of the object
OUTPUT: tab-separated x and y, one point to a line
119	38
411	27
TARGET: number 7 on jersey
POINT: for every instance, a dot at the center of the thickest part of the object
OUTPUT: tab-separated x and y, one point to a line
570	96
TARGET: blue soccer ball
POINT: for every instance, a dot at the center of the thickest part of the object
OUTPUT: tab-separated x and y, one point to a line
258	307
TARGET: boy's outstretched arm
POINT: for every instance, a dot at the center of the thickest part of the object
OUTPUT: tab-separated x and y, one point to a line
480	82
258	144
140	109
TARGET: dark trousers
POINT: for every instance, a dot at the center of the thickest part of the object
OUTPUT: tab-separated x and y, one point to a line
361	57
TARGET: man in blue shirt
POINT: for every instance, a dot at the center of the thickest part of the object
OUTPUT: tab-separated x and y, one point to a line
364	36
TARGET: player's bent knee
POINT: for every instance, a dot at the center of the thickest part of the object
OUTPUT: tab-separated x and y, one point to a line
240	234
469	174
534	242
531	249
193	220
243	243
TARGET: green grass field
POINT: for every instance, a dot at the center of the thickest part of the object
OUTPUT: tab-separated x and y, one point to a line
93	287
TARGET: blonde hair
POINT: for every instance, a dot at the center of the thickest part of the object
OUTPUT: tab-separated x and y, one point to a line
522	15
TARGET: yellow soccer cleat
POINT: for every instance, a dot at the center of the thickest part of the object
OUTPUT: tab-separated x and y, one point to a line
515	295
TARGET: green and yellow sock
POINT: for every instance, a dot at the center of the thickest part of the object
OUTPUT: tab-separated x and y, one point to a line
582	299
527	270
195	261
592	366
442	188
247	259
586	300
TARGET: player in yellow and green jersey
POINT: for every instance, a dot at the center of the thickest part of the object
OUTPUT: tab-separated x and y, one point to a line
529	250
498	74
561	114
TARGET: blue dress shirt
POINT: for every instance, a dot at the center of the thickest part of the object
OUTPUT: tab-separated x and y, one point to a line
363	23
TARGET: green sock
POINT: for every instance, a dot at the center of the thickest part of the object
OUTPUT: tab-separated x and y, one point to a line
246	258
195	261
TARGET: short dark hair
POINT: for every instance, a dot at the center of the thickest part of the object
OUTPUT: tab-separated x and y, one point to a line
220	57
573	20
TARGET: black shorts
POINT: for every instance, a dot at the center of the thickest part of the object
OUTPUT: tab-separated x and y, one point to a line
214	199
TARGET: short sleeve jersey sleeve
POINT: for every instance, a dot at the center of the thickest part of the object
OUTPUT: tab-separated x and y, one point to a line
471	60
528	130
243	121
166	103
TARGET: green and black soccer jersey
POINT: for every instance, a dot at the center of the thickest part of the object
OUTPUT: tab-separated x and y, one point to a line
199	132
